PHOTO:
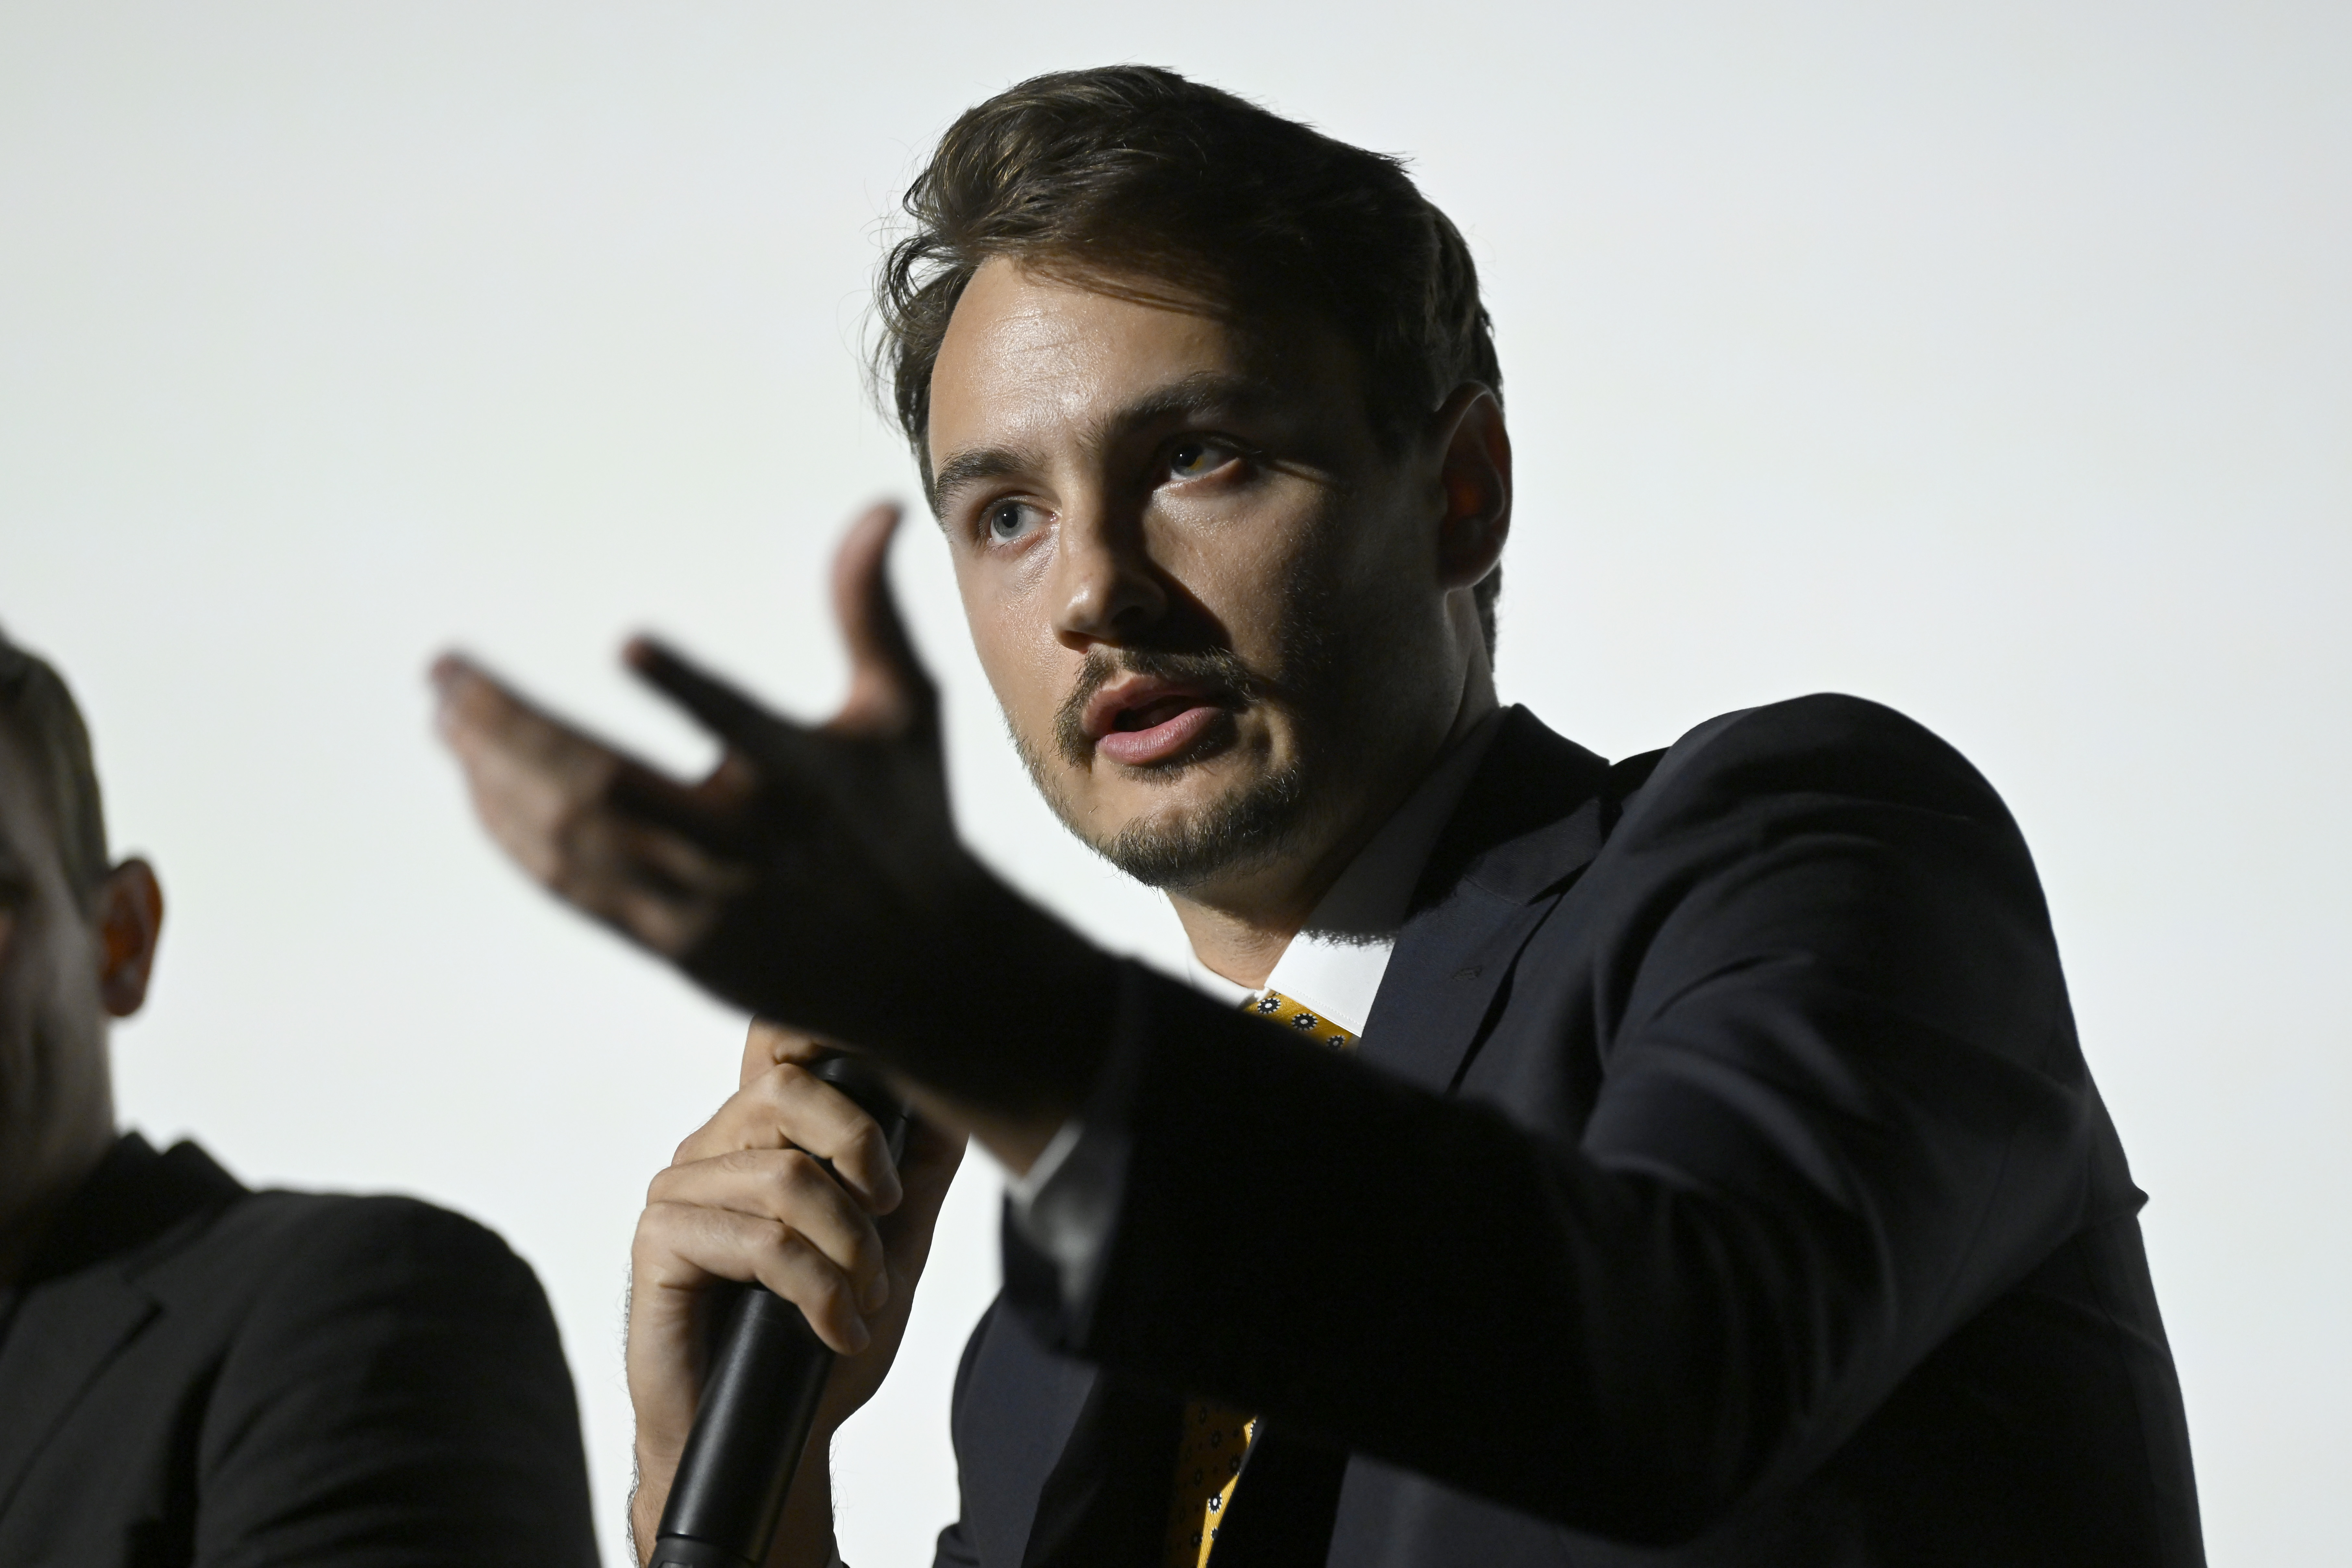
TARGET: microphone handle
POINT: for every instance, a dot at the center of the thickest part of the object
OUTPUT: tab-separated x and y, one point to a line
768	1373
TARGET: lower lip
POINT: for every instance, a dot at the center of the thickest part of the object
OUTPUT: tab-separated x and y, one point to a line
1141	748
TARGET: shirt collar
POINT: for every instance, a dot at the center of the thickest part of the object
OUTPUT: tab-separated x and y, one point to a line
1335	966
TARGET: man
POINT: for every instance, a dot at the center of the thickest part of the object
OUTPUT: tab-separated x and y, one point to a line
196	1374
1688	1161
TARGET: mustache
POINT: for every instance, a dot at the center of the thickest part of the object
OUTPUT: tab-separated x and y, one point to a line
1219	669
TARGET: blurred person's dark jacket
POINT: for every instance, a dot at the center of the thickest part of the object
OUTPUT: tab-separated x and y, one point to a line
191	1372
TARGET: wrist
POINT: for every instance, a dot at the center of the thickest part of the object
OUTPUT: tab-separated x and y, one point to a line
805	1533
1010	1014
1042	1000
648	1497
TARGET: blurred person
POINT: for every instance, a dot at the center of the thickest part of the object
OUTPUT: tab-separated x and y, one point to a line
1687	1159
195	1373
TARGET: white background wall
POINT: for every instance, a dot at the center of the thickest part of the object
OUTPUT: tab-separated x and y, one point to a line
1991	359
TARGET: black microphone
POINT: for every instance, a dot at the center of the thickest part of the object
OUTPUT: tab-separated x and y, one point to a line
767	1374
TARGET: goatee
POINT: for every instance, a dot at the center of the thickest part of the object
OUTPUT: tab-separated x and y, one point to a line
1251	823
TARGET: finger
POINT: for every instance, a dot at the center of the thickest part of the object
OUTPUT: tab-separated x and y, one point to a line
684	1247
612	843
788	1107
527	773
788	1186
889	690
476	711
765	1043
714	703
664	922
655	884
532	775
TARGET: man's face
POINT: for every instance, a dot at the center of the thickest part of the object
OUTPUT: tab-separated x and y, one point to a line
54	1092
1207	599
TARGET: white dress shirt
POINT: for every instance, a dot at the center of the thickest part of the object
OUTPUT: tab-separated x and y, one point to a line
1066	1202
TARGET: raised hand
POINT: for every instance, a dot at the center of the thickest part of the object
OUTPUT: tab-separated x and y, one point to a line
815	875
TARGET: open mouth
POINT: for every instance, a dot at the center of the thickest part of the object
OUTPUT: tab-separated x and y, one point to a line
1140	722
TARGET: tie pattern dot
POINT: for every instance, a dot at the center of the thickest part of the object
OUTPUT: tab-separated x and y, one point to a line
1217	1438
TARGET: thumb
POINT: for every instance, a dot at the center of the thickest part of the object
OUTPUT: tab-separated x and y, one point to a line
889	690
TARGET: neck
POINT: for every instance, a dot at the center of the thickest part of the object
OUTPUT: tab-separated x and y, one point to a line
28	1220
1241	931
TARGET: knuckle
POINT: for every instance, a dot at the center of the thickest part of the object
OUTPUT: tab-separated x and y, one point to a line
832	1295
865	1141
781	1244
654	1235
798	1175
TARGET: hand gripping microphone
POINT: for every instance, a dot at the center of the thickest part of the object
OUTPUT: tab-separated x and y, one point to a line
768	1370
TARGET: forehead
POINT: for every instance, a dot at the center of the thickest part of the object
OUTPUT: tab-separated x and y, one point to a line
1023	348
1030	360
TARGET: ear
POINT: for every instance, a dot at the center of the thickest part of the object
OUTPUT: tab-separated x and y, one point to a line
130	921
1474	478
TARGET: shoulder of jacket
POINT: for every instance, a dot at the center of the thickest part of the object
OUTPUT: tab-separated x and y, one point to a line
299	1242
1826	742
363	1220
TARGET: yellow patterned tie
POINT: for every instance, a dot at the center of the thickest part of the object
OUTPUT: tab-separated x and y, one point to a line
1216	1436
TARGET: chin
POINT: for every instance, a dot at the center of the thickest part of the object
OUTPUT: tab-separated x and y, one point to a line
1206	826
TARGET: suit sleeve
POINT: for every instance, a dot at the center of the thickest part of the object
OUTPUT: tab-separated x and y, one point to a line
954	1551
398	1396
1839	1109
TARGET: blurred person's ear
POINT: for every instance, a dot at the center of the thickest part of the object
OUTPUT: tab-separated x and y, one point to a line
130	920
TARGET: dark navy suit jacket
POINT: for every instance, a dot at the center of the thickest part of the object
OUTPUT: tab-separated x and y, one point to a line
191	1374
1717	1181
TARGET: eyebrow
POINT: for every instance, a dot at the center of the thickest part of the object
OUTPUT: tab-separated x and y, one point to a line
970	468
1202	393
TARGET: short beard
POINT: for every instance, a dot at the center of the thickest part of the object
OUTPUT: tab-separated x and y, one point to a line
1258	822
1249	827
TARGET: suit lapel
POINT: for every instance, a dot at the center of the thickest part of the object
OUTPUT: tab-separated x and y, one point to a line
1103	1498
1532	818
62	1338
1106	1501
1281	1512
80	1302
1441	984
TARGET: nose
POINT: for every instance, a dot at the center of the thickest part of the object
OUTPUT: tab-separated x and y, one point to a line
1106	588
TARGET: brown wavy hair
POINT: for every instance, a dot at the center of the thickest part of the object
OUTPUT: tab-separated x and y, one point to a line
1128	173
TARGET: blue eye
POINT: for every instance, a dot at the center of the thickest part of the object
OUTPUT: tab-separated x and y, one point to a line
1006	519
